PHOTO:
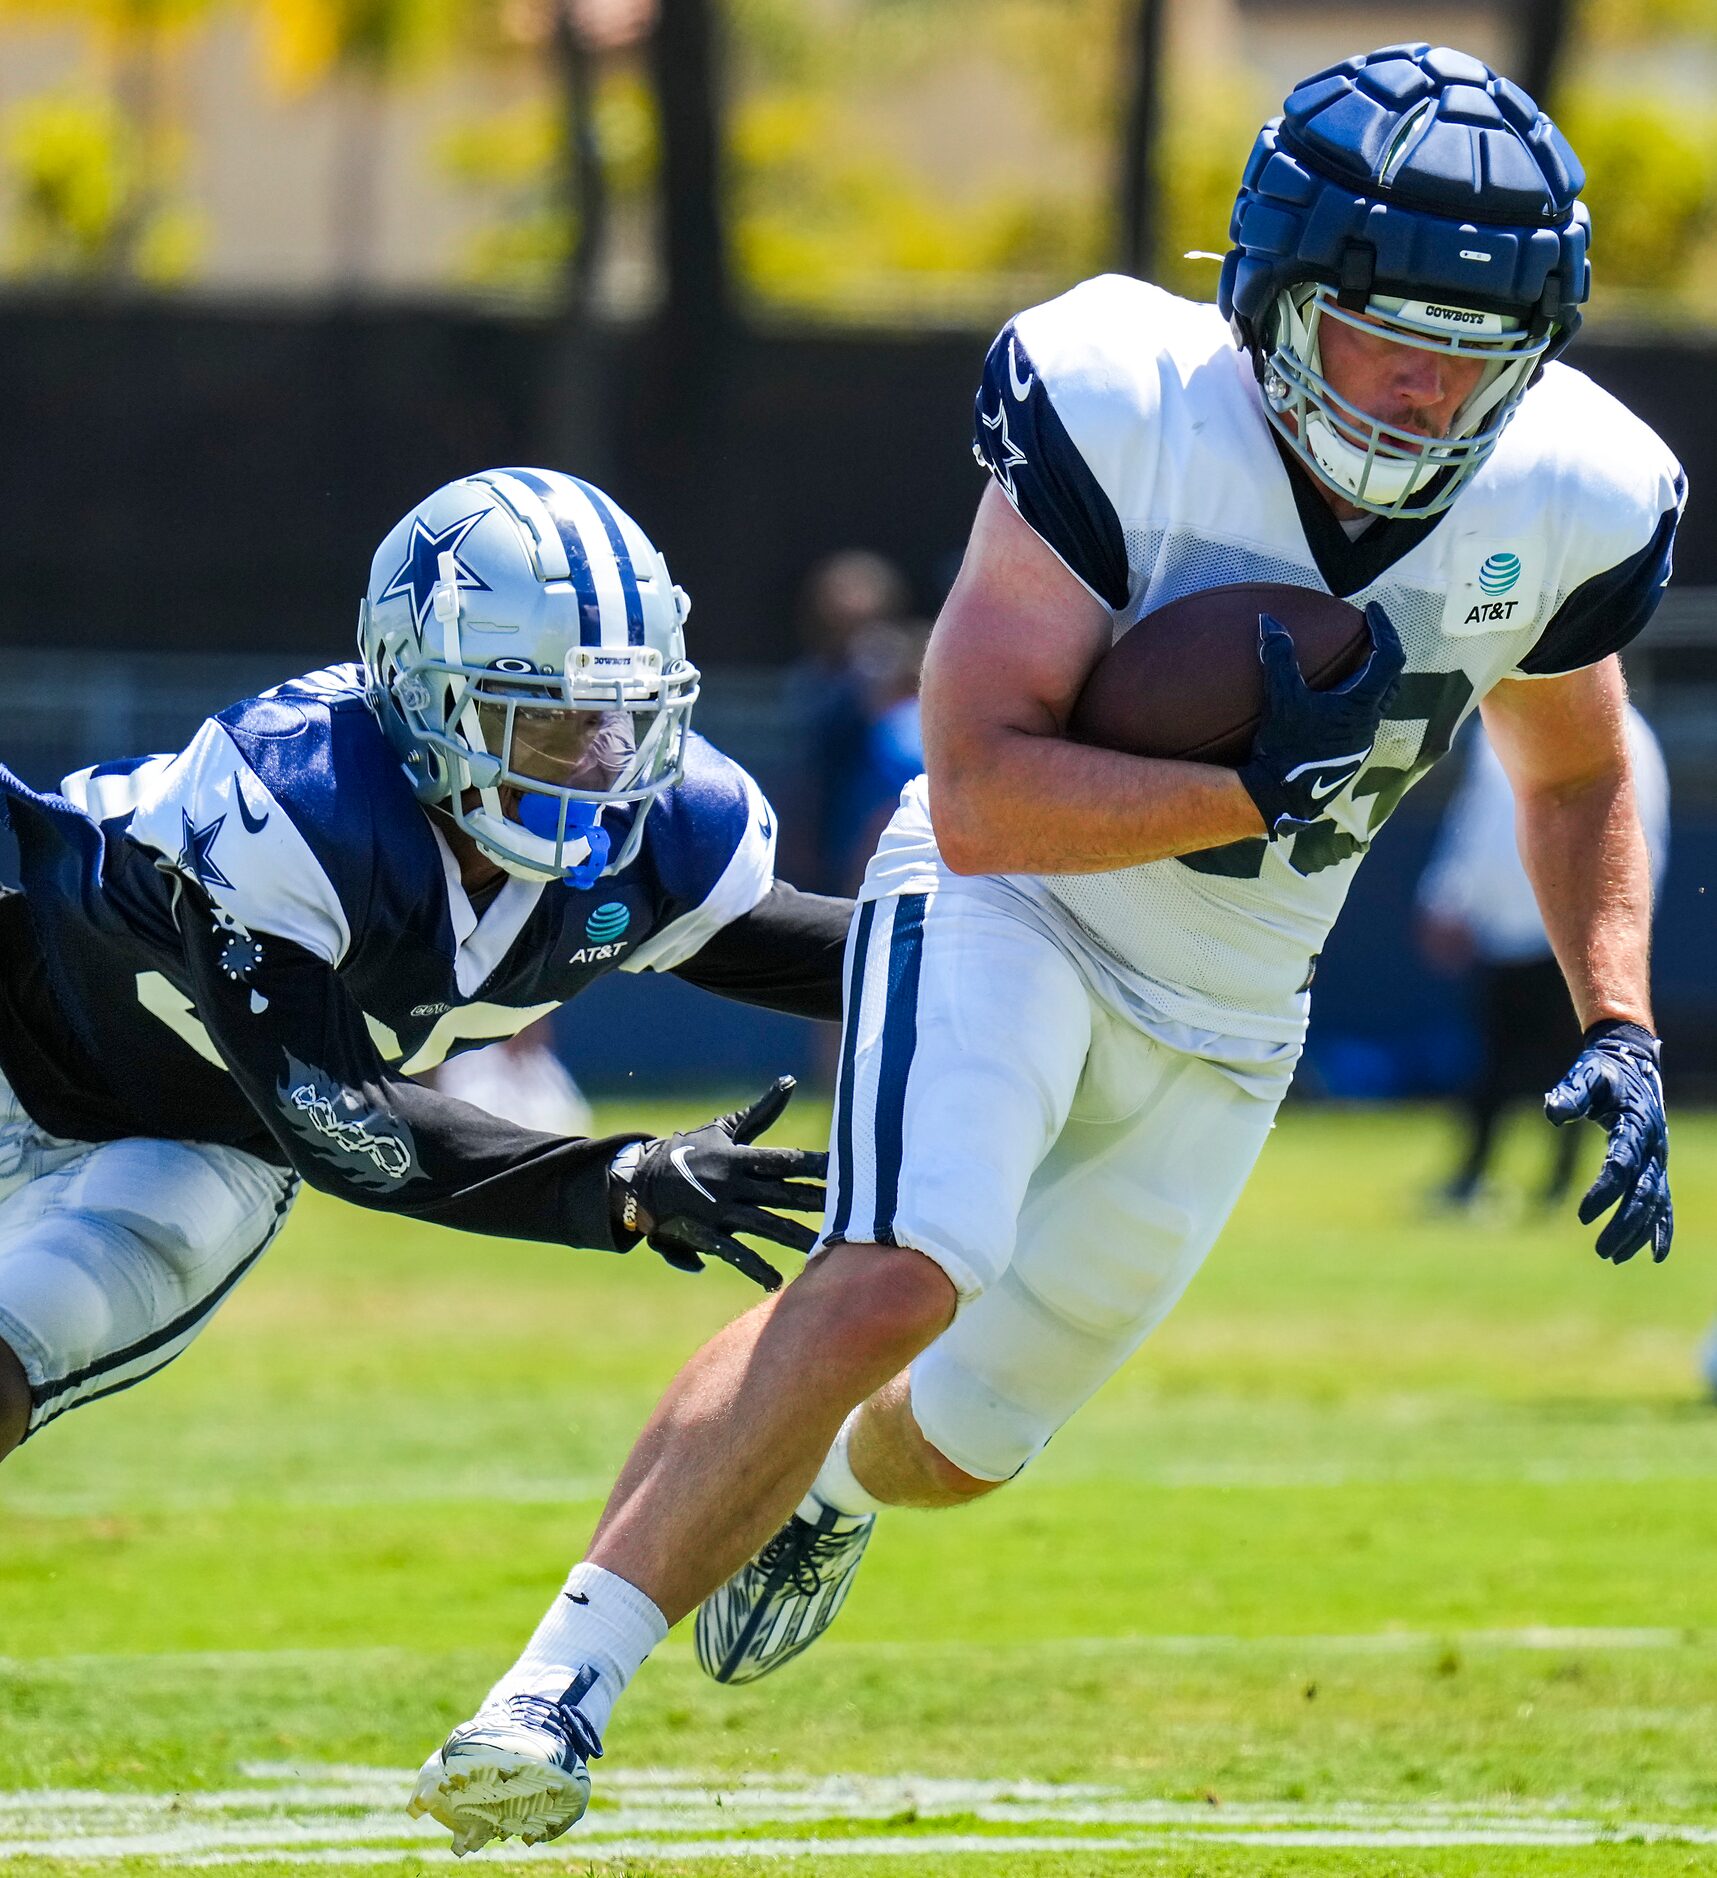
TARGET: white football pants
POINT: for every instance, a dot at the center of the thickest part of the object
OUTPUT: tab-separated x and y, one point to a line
114	1254
1066	1171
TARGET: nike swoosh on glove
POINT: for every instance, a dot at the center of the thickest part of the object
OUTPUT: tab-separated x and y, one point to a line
1615	1082
688	1194
1311	744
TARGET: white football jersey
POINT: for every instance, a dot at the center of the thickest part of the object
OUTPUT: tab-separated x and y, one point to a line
1128	429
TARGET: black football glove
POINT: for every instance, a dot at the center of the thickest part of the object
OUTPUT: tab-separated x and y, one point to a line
1311	744
1615	1083
690	1193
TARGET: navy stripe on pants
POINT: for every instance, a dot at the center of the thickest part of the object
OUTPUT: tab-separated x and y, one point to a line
899	1042
849	1050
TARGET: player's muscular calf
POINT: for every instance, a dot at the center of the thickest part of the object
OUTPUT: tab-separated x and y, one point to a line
14	1401
738	1438
895	1464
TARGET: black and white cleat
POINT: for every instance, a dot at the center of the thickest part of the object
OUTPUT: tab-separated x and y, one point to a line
784	1600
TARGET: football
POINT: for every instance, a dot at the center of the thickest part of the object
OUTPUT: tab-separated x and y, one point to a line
1186	680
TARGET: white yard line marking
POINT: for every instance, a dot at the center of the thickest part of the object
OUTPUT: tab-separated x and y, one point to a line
1166	1477
918	1846
27	1504
1361	1643
346	1815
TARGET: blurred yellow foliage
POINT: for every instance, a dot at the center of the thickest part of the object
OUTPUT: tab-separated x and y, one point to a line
826	220
74	163
1627	22
515	157
170	246
1210	122
304	41
848	196
117	21
1651	184
83	206
832	216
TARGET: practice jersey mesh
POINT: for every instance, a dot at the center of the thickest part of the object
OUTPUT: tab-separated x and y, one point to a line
1130	433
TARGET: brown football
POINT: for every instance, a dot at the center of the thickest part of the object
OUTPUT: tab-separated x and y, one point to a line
1186	681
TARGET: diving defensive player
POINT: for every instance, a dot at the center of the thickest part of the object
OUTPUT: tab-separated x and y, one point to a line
1078	980
226	964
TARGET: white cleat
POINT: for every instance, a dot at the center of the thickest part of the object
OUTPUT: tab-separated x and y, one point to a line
784	1600
516	1771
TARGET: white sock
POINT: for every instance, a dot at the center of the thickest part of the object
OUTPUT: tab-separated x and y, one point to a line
836	1485
598	1622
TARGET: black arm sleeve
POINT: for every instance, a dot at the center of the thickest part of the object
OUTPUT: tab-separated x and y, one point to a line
785	954
298	1047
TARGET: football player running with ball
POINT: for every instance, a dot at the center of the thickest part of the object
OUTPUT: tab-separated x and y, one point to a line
226	965
1077	981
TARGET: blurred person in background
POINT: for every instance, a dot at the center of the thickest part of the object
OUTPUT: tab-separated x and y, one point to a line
520	1079
1477	914
888	662
845	597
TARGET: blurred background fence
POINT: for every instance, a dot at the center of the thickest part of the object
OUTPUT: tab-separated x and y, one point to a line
273	269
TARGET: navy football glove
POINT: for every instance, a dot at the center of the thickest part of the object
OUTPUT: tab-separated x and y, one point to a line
1311	744
690	1193
1615	1083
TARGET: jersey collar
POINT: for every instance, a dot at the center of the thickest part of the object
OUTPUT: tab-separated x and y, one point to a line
1348	566
482	941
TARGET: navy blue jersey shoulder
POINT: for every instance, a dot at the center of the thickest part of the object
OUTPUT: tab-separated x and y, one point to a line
1019	437
1610	610
696	828
321	754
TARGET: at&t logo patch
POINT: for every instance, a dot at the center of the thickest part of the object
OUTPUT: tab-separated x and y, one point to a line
603	928
607	923
1499	572
1500	592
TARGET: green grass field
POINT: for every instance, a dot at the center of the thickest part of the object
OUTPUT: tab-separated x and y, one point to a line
1394	1552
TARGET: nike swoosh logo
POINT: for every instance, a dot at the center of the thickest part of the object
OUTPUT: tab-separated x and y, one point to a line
255	823
1345	767
680	1158
576	1597
1020	391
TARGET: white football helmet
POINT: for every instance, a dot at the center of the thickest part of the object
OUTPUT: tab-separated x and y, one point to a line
523	645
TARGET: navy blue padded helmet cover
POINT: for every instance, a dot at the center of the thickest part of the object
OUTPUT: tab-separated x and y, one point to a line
1415	171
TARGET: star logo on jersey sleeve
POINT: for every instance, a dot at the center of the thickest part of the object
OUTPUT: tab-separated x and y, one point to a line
419	573
195	857
1005	455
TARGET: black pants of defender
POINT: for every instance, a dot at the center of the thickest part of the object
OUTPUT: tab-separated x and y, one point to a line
1528	1036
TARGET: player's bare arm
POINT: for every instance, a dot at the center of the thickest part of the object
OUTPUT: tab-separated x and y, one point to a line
1008	792
1563	743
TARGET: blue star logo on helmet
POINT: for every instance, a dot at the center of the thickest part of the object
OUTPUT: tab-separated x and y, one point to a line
1500	572
607	923
419	574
